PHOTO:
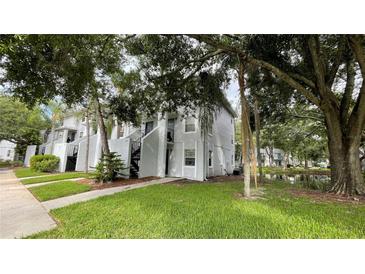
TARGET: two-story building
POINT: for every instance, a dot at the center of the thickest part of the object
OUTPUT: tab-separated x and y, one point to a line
164	145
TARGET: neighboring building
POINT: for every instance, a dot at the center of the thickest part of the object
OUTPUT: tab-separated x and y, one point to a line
64	142
162	146
7	151
279	158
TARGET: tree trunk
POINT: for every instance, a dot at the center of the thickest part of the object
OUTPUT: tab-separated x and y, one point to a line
257	130
103	135
305	162
87	141
52	137
285	164
271	156
245	137
344	150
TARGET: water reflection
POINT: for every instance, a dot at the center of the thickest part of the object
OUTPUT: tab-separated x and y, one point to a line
298	178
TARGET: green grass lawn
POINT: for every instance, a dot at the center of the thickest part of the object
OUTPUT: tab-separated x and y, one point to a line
209	211
27	172
60	176
57	190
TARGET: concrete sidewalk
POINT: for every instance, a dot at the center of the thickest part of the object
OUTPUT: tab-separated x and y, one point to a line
20	213
52	182
85	196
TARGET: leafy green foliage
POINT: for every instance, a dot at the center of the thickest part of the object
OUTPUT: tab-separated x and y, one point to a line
19	124
191	211
58	190
109	167
37	68
44	163
174	73
11	164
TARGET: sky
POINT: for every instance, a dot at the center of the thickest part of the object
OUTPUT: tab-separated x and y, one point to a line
233	94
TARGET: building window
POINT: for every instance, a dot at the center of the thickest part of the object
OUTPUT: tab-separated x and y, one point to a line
148	127
190	157
232	139
60	134
81	134
190	124
210	159
232	161
8	153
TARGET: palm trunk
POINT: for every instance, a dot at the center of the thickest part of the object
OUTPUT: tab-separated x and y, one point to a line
257	130
244	132
52	137
87	141
103	135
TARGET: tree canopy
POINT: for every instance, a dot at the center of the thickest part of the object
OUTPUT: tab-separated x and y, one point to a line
19	124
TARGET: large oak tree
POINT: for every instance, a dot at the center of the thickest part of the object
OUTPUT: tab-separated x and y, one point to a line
313	65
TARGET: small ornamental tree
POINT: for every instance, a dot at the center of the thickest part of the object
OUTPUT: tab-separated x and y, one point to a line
109	167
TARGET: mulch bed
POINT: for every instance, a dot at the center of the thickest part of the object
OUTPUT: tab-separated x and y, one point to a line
319	196
225	178
119	182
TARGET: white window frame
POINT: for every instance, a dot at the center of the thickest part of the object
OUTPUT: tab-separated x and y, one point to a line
195	125
185	149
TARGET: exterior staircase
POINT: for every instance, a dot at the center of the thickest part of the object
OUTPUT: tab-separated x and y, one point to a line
135	158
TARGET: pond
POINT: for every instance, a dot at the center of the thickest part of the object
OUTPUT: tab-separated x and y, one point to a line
299	178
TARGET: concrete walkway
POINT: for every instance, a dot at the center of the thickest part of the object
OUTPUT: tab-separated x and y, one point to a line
52	182
31	177
65	201
20	213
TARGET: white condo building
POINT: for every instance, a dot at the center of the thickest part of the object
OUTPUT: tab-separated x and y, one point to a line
169	145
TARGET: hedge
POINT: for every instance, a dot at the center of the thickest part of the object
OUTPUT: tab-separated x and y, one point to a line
44	163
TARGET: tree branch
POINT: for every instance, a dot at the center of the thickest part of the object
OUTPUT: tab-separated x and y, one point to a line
319	70
256	62
336	63
357	118
346	98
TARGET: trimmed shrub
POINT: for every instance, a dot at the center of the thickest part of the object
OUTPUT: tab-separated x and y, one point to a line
44	163
5	163
109	167
8	163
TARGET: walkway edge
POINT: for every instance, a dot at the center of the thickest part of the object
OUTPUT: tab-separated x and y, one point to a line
94	194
